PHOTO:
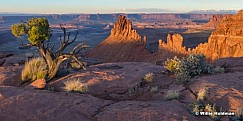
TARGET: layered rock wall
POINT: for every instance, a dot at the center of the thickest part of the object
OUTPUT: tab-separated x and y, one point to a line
214	21
226	40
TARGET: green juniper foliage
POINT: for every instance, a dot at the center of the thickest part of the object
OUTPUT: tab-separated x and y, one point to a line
39	32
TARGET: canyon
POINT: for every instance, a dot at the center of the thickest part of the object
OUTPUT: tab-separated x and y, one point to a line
124	48
225	41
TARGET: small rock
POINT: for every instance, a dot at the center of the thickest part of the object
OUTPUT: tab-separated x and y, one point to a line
38	84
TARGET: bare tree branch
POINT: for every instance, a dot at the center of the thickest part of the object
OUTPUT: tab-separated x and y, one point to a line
53	45
80	46
65	42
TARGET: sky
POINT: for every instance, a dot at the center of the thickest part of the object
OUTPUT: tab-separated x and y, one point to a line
115	6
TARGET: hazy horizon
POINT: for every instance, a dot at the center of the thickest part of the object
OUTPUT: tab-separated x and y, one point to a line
115	6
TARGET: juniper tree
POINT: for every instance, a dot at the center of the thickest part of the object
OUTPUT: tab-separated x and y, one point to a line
39	32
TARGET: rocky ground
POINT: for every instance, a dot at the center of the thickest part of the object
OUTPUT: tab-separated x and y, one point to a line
118	92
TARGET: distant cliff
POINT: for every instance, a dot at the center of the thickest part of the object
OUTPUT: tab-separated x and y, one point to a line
1	20
55	18
170	16
215	20
125	44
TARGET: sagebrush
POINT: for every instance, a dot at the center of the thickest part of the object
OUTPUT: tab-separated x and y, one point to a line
172	94
187	68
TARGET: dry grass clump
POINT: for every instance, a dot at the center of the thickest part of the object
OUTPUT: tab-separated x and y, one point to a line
171	95
34	69
201	94
75	85
149	77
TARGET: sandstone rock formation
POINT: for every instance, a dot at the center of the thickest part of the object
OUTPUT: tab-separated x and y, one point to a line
110	80
123	30
37	84
214	21
10	76
123	44
173	46
226	40
232	64
224	90
116	93
21	105
147	111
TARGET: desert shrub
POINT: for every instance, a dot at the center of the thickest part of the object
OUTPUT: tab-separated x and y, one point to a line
201	94
149	77
194	65
34	69
133	90
171	64
154	89
218	69
183	77
75	85
195	107
198	107
187	68
212	109
171	95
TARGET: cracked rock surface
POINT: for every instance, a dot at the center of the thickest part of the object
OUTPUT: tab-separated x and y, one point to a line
118	92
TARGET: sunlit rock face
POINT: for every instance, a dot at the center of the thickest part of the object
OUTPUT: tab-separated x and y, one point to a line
123	44
215	20
226	40
174	44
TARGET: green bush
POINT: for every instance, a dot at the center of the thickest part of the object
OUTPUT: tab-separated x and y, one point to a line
34	69
187	68
194	65
171	64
